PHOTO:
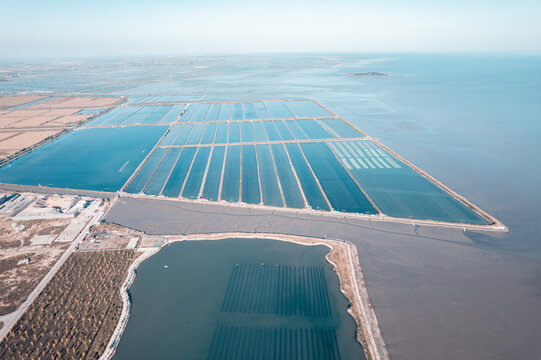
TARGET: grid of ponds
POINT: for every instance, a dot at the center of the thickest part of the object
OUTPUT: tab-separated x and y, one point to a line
254	110
396	188
258	131
136	115
279	174
320	163
293	154
144	99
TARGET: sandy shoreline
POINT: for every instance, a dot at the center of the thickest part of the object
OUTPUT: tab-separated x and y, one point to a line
342	256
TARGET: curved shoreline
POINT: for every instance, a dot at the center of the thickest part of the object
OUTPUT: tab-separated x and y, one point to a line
350	278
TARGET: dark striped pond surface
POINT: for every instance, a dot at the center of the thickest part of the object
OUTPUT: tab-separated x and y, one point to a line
293	154
238	299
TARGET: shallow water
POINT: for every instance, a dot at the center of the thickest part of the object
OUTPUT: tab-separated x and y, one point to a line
220	308
91	159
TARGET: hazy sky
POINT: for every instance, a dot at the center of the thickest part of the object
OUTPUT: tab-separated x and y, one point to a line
74	28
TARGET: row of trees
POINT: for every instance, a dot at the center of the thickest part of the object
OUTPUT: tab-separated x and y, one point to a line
77	311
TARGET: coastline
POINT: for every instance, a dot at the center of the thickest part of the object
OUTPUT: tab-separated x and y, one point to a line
342	256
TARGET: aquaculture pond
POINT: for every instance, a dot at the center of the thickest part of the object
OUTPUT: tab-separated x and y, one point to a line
397	189
238	299
253	110
131	115
290	153
92	159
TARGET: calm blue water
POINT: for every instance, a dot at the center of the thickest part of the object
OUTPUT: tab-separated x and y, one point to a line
91	159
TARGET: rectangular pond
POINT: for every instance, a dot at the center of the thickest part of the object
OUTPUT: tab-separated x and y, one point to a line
138	183
231	179
270	188
179	173
309	184
250	176
211	189
162	172
195	178
291	153
342	192
251	110
292	193
99	159
398	190
307	108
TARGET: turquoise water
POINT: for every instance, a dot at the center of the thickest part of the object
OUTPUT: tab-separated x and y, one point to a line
250	176
221	133
468	120
308	182
340	128
188	114
208	135
225	112
249	111
195	179
236	113
214	174
231	178
138	183
254	110
246	132
160	98
196	134
92	159
270	189
290	186
200	113
396	189
184	134
171	135
249	296
342	192
307	109
162	172
179	173
234	133
279	110
115	116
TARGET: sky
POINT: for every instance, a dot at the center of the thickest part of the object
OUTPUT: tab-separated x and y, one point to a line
52	28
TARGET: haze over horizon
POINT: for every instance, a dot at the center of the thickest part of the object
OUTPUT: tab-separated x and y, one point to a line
99	28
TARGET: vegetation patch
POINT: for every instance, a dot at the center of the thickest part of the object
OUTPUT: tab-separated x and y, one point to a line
77	311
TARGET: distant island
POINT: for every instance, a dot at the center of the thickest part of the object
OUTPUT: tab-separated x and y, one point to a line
368	74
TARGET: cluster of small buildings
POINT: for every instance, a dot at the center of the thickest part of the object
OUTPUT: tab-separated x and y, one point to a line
48	207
